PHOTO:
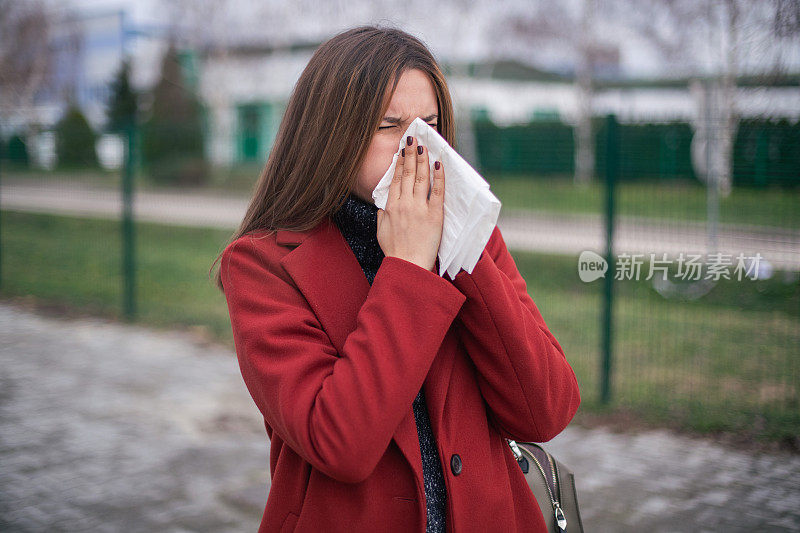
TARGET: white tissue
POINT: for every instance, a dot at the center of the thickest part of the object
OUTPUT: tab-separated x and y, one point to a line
470	209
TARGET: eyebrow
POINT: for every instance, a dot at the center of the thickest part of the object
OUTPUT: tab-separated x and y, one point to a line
395	120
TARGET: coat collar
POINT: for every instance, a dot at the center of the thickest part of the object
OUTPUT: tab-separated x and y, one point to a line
328	274
286	237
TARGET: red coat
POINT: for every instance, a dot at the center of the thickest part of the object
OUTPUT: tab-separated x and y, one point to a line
334	364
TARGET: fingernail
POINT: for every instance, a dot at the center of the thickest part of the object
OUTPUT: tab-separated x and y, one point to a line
419	149
403	152
437	165
409	140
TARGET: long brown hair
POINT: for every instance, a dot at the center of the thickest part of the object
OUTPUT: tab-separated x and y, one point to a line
332	114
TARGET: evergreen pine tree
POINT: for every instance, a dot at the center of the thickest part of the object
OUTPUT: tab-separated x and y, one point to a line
75	140
172	136
123	105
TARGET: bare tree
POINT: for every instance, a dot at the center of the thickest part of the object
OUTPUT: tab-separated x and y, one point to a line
25	57
716	40
584	140
555	27
785	28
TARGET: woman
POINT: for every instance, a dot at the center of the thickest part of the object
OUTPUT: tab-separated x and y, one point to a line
386	389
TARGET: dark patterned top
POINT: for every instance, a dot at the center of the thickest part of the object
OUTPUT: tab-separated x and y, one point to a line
358	222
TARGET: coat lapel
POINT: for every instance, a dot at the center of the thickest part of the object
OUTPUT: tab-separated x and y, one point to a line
328	274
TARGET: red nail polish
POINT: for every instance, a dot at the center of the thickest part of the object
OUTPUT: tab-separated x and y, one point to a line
403	152
409	140
419	149
437	165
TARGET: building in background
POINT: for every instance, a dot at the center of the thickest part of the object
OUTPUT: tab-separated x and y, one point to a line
87	49
244	87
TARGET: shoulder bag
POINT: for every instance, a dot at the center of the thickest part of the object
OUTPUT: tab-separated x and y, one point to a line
553	485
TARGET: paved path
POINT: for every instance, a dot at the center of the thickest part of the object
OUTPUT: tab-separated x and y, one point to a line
109	427
567	234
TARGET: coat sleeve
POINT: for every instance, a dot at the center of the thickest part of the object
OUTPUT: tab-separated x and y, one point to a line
529	387
337	410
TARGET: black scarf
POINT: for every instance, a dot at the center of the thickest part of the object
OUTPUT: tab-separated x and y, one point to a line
358	222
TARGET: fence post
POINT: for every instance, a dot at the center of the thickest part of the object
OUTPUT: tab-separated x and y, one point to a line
612	170
128	248
2	154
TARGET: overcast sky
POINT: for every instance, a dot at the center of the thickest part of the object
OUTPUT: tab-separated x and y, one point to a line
474	30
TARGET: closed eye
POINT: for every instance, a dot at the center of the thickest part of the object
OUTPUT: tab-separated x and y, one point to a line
385	127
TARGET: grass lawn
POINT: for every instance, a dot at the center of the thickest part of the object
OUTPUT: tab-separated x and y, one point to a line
77	261
671	200
728	361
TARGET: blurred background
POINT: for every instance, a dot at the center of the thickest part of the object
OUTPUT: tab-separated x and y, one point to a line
662	136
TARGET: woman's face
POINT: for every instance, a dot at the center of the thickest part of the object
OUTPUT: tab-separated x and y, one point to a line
414	97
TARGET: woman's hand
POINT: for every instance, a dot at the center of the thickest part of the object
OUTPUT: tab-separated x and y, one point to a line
411	225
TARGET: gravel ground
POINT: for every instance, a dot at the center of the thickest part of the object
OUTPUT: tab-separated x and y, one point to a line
112	427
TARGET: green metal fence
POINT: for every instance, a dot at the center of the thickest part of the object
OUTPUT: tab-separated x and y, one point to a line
765	152
697	319
719	351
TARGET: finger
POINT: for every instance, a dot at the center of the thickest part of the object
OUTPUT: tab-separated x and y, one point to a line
437	190
394	187
422	182
409	167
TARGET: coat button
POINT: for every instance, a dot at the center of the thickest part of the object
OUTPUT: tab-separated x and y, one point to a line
455	464
523	464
